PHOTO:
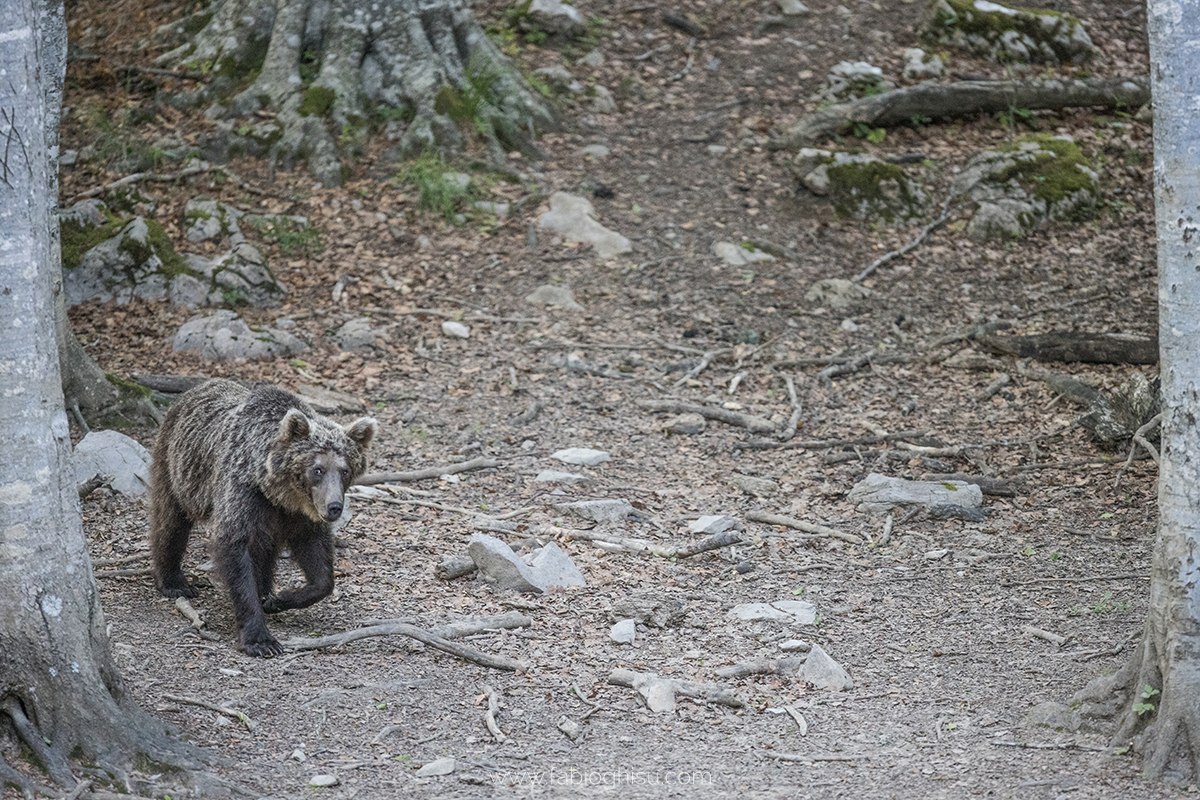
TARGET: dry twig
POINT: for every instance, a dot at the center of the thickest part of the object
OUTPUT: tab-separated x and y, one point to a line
808	527
220	709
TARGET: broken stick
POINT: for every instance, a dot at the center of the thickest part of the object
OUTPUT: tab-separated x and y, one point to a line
751	423
696	691
373	478
801	525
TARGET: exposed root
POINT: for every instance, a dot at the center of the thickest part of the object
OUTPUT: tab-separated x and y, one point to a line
431	61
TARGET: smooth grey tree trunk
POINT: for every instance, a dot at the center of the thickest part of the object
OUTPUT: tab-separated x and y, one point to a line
414	56
60	693
1158	691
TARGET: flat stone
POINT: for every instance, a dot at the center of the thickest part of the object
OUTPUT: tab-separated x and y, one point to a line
595	151
582	456
822	671
737	255
455	330
574	219
441	766
658	693
713	523
836	293
654	611
760	487
499	565
792	8
324	781
594	59
603	101
795	646
1055	716
498	210
566	478
357	336
208	220
624	632
602	511
921	67
555	18
556	296
795	612
686	425
330	401
878	494
114	454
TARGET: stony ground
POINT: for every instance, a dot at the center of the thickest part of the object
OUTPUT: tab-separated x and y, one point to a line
930	623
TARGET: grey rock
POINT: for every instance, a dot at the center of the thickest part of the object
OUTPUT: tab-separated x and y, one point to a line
918	66
603	101
574	219
602	511
862	186
1055	716
85	213
714	523
878	494
68	158
739	255
114	454
124	267
792	8
455	330
1010	34
357	335
823	672
685	425
646	609
808	159
545	567
594	59
498	210
424	242
582	456
836	293
438	767
555	18
555	296
569	727
596	151
557	77
624	632
658	693
795	646
223	336
209	220
566	478
792	612
852	79
323	781
760	487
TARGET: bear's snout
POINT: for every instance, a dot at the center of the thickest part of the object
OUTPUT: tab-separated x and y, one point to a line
333	511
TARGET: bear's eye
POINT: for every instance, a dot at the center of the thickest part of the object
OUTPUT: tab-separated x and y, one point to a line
345	472
318	471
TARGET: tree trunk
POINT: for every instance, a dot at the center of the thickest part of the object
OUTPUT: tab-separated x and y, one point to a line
327	67
60	693
1158	692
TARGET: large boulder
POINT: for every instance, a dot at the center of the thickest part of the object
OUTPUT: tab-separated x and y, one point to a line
1008	34
224	336
1020	185
849	80
123	461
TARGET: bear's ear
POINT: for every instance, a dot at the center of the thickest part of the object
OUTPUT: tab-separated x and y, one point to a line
293	427
362	431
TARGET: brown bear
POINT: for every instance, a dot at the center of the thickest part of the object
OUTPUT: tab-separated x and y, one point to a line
271	474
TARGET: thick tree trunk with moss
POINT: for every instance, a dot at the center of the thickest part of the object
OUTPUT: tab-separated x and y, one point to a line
329	67
1157	694
60	694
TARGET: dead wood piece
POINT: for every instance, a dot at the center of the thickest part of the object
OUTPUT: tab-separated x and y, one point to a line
425	637
1053	746
800	525
1038	633
697	691
766	666
994	389
473	626
714	542
1072	390
996	487
682	24
578	365
1076	346
454	567
93	483
373	478
217	707
184	607
168	384
489	718
705	360
803	759
965	98
137	177
631	545
752	423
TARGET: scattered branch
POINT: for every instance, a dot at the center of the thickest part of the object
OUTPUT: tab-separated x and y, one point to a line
489	718
217	707
703	365
373	478
138	177
800	525
751	423
696	691
827	444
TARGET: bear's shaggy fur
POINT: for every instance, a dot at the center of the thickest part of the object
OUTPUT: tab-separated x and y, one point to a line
271	474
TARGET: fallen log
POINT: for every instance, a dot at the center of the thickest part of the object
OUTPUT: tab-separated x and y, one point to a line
935	100
1076	346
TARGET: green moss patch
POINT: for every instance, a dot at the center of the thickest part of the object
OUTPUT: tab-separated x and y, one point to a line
874	188
1054	172
77	238
317	101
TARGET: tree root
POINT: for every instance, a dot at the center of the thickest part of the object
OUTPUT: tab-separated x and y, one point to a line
431	60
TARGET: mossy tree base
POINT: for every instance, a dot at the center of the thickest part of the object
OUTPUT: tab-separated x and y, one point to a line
329	77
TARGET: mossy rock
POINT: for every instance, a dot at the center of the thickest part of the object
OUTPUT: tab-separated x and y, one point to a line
1020	185
861	186
1008	34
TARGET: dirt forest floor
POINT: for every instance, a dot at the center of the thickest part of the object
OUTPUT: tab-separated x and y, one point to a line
931	623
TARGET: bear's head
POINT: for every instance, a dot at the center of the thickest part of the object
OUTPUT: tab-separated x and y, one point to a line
319	459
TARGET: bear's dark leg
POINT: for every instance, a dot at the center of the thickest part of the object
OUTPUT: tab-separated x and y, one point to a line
312	550
244	536
169	532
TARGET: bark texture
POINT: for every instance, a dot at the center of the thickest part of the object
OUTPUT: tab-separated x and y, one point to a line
60	693
1157	694
938	100
429	59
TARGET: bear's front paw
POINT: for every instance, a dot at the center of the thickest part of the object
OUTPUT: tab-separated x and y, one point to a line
264	647
177	586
